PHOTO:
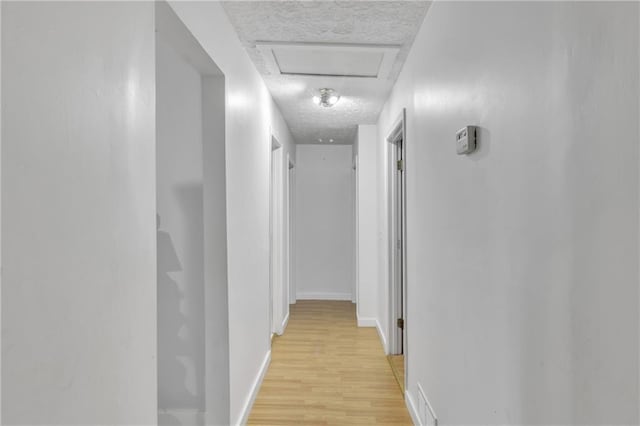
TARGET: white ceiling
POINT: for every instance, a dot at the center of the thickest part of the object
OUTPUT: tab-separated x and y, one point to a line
327	37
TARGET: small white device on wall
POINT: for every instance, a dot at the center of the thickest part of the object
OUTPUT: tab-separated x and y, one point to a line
466	140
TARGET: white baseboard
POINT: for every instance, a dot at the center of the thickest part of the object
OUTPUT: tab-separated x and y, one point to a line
366	322
251	398
323	296
283	326
415	417
383	338
183	416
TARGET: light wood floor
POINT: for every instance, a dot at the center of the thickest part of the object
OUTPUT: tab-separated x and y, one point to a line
326	371
397	367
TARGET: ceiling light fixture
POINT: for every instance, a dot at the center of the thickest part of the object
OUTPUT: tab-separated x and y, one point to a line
327	98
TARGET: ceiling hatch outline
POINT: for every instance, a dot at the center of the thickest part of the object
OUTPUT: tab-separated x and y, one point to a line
369	61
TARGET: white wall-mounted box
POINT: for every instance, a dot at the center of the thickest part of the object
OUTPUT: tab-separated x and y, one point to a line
466	140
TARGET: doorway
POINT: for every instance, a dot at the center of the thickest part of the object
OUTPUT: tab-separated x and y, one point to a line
290	220
192	310
397	248
277	303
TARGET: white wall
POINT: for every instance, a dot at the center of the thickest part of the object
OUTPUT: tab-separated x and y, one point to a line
0	213
215	249
193	336
324	222
179	169
250	114
78	213
523	257
367	225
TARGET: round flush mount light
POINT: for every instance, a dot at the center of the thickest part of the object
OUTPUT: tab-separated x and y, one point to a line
326	98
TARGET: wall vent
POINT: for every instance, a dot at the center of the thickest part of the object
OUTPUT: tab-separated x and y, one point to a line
425	410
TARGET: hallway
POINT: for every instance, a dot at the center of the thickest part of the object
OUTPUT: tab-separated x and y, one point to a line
215	213
326	371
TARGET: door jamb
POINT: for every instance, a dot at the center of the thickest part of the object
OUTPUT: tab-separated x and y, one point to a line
275	236
291	176
356	226
398	132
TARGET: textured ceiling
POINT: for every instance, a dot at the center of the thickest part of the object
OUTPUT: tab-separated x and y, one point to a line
352	22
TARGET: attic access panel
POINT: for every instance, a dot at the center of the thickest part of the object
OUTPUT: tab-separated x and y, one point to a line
329	60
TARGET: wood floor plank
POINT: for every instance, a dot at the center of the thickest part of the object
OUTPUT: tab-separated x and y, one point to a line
397	367
326	371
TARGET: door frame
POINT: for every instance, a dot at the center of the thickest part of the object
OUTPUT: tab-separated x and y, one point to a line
356	226
291	253
397	241
276	284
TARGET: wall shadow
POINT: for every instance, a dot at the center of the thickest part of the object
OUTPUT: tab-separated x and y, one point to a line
190	201
170	321
181	320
